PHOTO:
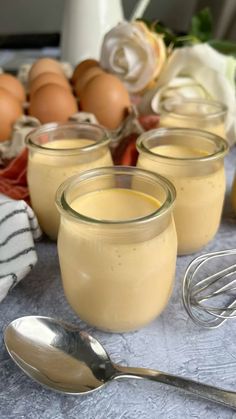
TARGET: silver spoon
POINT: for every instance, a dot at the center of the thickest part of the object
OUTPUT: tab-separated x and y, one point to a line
63	358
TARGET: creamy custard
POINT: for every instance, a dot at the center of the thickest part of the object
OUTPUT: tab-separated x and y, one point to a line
199	199
116	278
202	114
68	143
168	121
47	171
100	205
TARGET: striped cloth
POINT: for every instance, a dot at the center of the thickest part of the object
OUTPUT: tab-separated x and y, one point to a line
18	230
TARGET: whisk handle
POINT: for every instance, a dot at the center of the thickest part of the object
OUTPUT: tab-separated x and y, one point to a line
215	394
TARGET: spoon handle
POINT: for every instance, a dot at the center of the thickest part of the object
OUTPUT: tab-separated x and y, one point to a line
218	395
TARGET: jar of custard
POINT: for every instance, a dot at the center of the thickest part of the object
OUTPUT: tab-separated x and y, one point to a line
205	114
56	152
193	161
117	246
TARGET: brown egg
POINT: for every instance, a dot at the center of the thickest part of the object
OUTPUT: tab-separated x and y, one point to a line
52	103
82	67
10	111
107	98
85	78
13	86
44	65
47	78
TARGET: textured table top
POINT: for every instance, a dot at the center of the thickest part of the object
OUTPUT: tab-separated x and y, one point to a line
172	343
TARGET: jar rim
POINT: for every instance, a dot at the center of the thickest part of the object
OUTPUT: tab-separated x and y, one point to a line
220	142
220	108
52	126
64	207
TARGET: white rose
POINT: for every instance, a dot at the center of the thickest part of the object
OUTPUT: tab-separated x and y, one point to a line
197	71
134	54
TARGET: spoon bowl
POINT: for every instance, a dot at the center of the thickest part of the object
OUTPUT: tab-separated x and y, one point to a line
66	359
58	355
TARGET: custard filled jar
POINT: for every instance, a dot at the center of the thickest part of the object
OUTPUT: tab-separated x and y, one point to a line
56	152
193	161
117	246
204	114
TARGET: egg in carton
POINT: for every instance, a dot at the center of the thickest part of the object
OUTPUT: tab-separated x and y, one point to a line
47	67
24	70
104	100
95	90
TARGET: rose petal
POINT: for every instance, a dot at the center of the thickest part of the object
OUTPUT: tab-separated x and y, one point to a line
130	51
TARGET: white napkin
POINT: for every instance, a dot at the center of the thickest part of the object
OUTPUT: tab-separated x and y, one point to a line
18	230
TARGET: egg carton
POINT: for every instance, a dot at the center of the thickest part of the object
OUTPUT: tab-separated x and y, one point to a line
11	148
14	146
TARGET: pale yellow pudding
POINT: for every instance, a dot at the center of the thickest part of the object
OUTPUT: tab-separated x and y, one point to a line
203	114
200	187
46	171
117	275
170	121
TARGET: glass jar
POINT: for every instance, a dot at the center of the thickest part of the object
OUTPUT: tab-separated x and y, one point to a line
193	161
208	115
117	273
56	152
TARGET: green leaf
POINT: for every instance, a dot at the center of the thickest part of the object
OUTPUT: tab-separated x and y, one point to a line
168	35
201	31
225	47
201	25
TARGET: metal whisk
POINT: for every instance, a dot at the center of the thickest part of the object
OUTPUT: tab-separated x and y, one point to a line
210	299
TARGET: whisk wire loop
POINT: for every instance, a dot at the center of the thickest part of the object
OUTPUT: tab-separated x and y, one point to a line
198	293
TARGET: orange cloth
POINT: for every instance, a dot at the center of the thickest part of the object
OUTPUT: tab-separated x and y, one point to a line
13	181
126	153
